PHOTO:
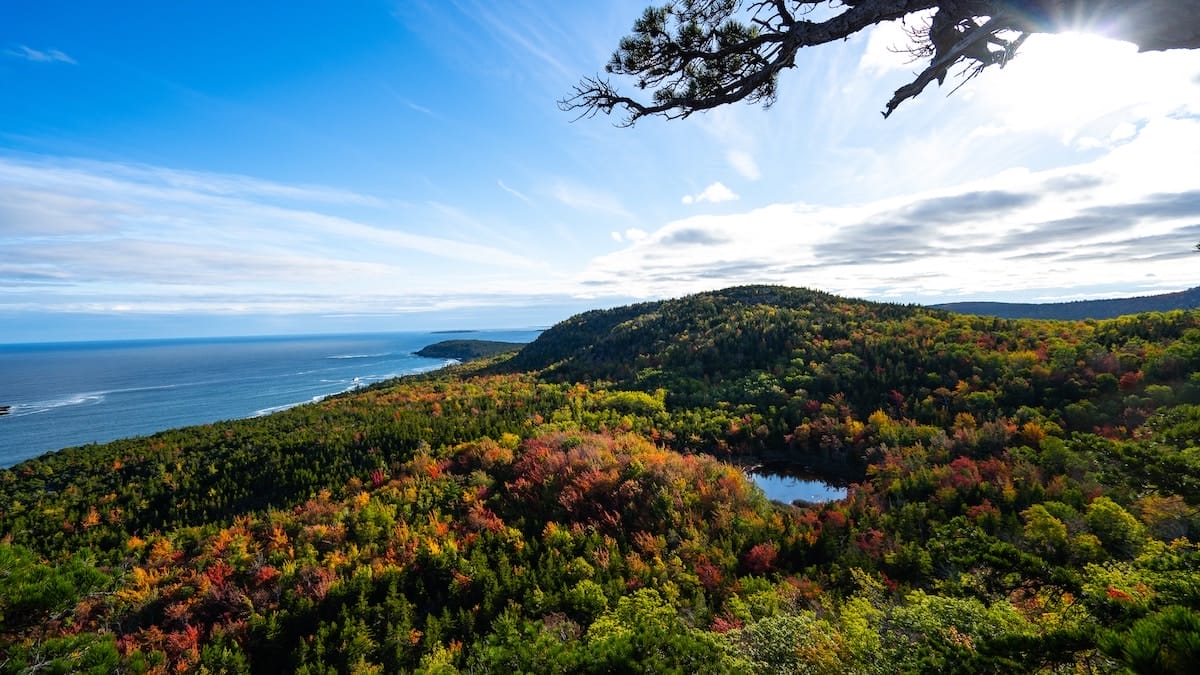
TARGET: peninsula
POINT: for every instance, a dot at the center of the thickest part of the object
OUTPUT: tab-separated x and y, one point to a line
467	350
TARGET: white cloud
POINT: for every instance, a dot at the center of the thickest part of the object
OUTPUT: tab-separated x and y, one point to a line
727	126
1083	229
586	199
40	212
632	234
76	234
1034	112
887	46
823	143
743	162
40	56
1122	132
714	193
1083	85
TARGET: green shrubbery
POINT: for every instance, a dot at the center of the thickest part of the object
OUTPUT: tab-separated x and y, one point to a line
1025	500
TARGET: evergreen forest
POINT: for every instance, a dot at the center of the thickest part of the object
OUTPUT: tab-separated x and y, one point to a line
1024	497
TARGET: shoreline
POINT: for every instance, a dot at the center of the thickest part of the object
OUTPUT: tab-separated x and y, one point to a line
106	405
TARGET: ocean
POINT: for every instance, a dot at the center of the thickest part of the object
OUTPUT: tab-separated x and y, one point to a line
67	394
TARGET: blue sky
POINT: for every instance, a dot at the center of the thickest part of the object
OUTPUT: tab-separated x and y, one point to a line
201	168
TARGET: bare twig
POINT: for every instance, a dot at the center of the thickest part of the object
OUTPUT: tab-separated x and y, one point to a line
695	55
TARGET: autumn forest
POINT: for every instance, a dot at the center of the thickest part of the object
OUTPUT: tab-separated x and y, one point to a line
1024	496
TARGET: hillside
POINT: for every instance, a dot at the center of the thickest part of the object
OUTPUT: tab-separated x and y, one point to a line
1025	500
1081	309
609	343
774	353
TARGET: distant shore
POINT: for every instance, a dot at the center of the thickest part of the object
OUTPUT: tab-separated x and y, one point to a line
466	350
140	387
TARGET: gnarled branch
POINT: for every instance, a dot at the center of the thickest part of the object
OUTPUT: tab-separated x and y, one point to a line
696	55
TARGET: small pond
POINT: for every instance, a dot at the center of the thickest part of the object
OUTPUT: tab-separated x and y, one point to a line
789	486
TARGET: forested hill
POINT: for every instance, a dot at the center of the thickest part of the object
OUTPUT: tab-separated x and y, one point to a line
775	351
716	334
1080	309
467	350
1024	499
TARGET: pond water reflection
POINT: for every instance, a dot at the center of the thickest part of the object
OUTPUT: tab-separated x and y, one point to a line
792	486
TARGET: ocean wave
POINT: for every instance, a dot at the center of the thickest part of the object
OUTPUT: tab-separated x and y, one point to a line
352	384
20	409
361	356
263	412
416	370
37	407
152	388
426	369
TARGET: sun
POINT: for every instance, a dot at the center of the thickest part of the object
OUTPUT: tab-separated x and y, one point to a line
1055	80
1068	80
1059	67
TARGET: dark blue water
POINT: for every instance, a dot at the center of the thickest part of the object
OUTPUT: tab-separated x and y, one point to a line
63	395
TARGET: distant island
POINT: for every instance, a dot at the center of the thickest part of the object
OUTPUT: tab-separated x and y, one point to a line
467	350
1080	309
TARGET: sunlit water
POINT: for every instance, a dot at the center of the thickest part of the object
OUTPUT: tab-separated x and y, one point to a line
62	395
792	487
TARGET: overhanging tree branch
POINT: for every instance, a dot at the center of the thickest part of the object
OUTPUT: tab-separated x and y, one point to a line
695	55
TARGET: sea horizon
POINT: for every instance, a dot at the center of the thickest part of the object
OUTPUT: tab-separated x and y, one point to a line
264	336
64	394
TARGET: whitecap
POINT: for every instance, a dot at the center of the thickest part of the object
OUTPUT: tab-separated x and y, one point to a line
263	412
133	389
22	409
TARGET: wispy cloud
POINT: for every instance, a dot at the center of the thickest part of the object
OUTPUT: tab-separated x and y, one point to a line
516	193
715	193
524	35
588	199
537	43
40	55
743	162
143	236
39	212
888	45
419	108
72	176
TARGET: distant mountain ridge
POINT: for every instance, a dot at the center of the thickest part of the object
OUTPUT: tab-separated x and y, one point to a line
1079	309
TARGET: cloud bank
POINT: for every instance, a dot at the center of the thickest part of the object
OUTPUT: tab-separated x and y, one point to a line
82	236
1128	220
